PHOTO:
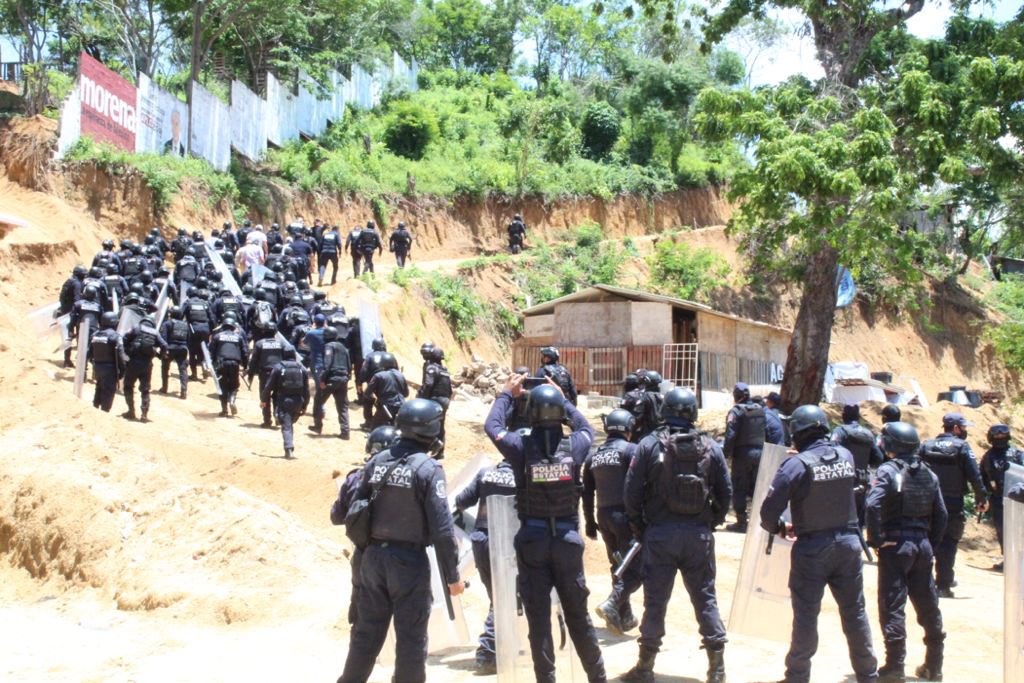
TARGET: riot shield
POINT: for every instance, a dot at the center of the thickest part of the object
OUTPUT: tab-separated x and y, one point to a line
163	301
129	320
761	606
455	486
83	354
258	272
445	629
42	319
115	303
512	646
227	279
208	362
1013	577
183	289
369	326
64	327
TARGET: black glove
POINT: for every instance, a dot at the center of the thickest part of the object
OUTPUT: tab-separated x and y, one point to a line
459	519
591	530
637	530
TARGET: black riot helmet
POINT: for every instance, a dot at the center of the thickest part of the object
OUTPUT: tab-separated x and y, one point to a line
437	355
96	272
420	420
270	328
288	353
330	334
108	245
379	344
549	352
388	361
998	435
546	406
80	272
807	423
380	438
177	312
426	350
652	380
108	320
891	413
680	403
619	421
91	293
631	382
900	439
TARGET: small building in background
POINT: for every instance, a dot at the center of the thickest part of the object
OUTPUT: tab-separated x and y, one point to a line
604	332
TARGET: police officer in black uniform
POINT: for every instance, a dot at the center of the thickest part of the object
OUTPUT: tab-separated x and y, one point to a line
106	349
287	389
951	458
744	441
388	390
400	244
437	386
328	245
267	354
230	355
864	446
559	373
87	309
677	491
352	246
408	512
549	548
604	477
175	331
818	486
905	518
994	463
367	369
496	480
70	293
142	344
199	316
369	242
518	418
333	379
516	234
646	409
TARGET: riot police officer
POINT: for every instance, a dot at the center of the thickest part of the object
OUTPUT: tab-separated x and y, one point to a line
408	503
400	244
517	418
862	444
369	242
388	391
106	349
70	293
88	309
200	320
333	381
437	386
744	440
287	389
905	518
951	458
647	407
328	245
230	354
497	480
175	331
549	549
267	354
142	344
559	373
604	477
516	234
994	463
352	246
818	486
677	491
367	369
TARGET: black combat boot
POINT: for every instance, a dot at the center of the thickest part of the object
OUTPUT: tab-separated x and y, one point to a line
607	611
223	407
231	404
892	670
739	526
643	672
183	393
931	670
716	663
130	413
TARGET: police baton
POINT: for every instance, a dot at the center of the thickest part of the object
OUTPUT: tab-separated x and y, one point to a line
864	545
634	550
448	599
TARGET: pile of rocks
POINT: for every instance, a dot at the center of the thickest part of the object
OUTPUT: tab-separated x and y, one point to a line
480	380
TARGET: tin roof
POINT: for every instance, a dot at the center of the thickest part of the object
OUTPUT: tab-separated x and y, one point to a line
600	293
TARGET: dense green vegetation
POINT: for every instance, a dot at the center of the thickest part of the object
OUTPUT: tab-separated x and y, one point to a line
685	272
1008	337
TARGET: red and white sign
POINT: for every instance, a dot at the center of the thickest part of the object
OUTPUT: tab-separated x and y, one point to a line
108	105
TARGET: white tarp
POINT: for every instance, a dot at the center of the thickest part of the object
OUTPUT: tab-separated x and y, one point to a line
1013	578
339	86
163	120
307	118
280	112
369	326
248	122
362	82
414	73
272	118
70	122
843	370
761	606
211	128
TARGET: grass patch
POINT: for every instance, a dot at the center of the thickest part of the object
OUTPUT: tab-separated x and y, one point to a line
455	299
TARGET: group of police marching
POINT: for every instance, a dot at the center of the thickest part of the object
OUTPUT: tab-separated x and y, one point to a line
655	490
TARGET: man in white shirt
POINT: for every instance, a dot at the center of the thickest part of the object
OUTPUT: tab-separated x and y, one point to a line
251	254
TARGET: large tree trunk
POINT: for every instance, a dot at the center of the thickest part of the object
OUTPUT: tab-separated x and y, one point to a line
807	358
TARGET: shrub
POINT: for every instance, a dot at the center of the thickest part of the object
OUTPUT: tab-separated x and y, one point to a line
1008	337
410	129
687	273
600	129
455	299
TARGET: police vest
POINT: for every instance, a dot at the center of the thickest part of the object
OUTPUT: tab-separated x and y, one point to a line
187	270
749	426
685	471
338	368
353	237
229	347
994	465
230	304
178	332
561	377
271	353
944	457
916	492
308	300
112	282
551	490
402	239
829	503
608	468
397	512
495	481
298	316
860	442
368	240
198	312
144	343
442	387
271	289
329	243
104	347
132	266
89	309
292	379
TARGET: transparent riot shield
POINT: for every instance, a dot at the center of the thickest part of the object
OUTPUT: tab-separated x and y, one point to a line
183	289
258	272
208	362
64	327
761	606
163	302
512	646
369	325
83	354
1013	577
446	628
129	320
455	487
227	279
115	303
42	319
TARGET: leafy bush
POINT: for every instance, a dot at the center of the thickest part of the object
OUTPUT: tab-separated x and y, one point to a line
583	260
455	299
600	129
410	129
403	277
1008	337
687	273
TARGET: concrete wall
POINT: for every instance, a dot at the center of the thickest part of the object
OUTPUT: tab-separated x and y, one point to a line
651	323
715	334
539	326
593	324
